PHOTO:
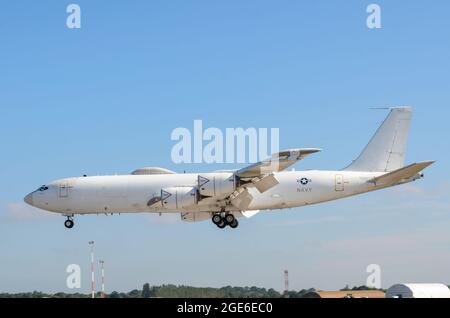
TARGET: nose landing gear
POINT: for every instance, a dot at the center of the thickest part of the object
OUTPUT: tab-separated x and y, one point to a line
69	222
223	220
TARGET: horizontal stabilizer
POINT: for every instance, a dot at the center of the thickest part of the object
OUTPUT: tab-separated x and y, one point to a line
401	175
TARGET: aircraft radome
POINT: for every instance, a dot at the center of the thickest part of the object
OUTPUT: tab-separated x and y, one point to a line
224	196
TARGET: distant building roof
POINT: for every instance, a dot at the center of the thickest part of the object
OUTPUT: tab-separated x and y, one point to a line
346	294
418	291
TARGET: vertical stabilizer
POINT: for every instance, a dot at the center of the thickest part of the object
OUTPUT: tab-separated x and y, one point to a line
386	150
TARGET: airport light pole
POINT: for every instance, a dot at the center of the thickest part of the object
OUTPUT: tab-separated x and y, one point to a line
91	243
102	264
286	283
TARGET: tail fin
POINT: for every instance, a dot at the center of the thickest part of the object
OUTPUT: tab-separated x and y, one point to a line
386	150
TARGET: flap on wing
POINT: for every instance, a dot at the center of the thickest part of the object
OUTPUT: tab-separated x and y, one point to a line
401	174
241	199
278	162
249	214
265	182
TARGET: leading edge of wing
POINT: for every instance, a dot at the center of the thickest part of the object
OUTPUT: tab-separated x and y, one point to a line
277	162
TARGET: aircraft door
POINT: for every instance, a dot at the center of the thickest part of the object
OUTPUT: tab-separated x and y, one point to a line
64	190
339	182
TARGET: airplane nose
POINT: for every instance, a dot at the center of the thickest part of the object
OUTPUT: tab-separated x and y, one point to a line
29	199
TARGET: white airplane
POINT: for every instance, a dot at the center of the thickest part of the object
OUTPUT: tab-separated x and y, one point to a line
224	196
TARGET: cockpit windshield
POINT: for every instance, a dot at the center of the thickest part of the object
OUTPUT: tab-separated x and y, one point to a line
43	188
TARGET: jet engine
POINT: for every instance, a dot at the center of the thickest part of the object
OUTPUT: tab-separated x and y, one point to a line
217	185
177	198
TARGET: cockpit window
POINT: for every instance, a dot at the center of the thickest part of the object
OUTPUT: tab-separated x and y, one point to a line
43	188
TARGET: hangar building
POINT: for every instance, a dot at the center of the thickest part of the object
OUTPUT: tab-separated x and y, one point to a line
418	291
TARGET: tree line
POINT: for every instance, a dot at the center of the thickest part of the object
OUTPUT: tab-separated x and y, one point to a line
181	291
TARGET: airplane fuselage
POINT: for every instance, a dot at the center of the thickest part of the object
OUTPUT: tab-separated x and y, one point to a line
131	193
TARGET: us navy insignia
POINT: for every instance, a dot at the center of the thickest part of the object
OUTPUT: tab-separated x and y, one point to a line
304	181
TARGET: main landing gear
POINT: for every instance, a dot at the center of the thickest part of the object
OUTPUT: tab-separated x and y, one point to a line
223	221
69	222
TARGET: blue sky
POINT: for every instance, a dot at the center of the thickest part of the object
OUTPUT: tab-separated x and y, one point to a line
104	99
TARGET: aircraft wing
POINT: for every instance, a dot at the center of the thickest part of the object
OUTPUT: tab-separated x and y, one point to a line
405	174
261	174
278	162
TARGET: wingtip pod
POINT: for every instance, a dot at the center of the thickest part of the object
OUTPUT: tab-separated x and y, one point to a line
310	150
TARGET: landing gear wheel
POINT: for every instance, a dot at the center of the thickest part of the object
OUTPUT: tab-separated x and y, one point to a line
221	225
234	224
68	223
229	218
216	219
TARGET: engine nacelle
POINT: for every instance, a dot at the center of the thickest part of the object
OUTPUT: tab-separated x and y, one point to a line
178	198
216	185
